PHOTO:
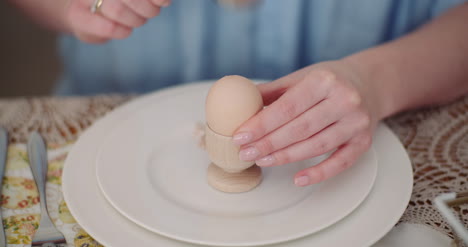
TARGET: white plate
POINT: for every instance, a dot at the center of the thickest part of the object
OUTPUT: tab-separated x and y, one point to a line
363	227
151	170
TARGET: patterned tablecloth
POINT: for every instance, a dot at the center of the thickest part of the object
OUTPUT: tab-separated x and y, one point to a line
436	140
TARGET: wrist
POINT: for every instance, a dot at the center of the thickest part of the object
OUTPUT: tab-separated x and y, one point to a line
377	81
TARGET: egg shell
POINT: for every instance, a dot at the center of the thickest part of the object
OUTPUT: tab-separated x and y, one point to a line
230	102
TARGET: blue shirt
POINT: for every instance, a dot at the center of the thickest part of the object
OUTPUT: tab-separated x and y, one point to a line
198	39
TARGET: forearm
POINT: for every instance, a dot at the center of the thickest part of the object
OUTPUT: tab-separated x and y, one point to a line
47	13
428	66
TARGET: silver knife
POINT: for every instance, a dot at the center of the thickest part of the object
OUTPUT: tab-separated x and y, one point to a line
47	234
3	157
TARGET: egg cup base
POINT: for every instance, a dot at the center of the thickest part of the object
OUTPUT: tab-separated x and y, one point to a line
239	182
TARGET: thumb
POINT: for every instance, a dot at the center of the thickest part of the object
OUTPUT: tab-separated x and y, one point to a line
271	91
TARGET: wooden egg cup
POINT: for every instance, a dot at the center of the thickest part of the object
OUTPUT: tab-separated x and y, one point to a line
227	172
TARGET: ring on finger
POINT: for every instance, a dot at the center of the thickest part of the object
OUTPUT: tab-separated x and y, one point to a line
96	6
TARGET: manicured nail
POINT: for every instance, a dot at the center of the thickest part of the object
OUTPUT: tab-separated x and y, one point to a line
302	181
248	154
266	161
242	138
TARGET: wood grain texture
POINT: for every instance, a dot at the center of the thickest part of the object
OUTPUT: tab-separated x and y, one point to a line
227	172
223	152
239	182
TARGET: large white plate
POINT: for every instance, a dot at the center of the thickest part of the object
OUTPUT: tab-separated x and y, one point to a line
364	226
151	170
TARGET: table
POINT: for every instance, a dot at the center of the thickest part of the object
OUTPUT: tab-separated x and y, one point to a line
435	138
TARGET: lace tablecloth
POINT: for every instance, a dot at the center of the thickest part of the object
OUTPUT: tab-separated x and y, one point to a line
436	140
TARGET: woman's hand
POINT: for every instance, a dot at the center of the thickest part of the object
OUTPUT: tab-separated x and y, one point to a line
310	112
114	20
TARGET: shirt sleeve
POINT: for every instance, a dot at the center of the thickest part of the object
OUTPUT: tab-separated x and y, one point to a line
441	6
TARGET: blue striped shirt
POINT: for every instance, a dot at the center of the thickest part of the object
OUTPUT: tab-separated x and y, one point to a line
198	39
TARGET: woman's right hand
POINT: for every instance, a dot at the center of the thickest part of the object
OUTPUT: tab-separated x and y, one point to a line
115	19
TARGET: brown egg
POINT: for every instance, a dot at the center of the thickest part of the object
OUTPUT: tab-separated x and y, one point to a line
231	101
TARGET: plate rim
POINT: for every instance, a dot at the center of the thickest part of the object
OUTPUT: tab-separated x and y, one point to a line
115	199
87	137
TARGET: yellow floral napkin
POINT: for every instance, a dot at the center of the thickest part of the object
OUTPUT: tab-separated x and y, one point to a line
20	199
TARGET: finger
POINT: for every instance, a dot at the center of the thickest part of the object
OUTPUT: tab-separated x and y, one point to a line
339	161
161	3
119	12
273	90
144	8
87	23
90	38
292	103
323	142
304	126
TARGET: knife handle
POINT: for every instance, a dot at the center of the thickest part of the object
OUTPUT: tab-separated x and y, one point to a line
37	153
3	158
3	153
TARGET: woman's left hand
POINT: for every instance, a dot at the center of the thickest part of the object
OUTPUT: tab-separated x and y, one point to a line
313	111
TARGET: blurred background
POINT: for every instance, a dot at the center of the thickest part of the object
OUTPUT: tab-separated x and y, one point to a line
28	60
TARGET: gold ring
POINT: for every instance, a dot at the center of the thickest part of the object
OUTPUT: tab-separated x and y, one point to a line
96	6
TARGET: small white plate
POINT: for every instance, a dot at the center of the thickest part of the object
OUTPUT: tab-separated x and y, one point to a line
151	170
363	227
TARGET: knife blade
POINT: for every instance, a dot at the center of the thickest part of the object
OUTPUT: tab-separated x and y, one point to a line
47	235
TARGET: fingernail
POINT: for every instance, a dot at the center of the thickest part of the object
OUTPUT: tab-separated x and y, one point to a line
248	154
302	181
266	161
242	138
